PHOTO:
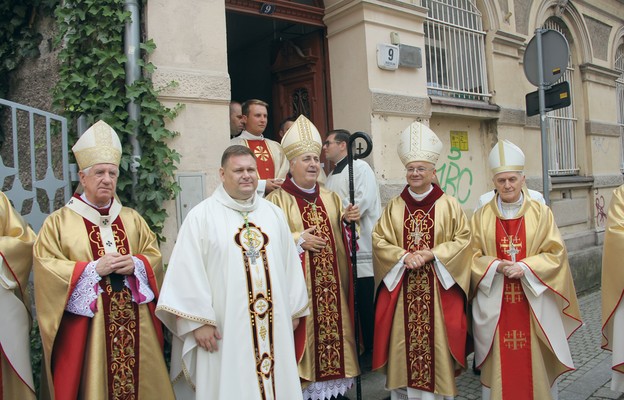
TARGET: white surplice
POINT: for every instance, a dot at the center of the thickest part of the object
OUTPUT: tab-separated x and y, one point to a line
207	282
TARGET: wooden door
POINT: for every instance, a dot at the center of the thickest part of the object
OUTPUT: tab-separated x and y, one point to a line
301	81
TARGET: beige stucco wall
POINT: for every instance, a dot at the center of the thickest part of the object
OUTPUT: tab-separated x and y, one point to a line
191	40
192	50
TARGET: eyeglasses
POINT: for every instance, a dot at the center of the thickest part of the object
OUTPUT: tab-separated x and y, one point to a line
328	142
419	170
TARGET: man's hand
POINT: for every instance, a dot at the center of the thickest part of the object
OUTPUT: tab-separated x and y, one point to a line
312	243
296	322
272	184
115	262
417	259
510	269
352	213
206	337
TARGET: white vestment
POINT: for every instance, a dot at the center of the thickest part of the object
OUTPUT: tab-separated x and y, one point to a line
245	278
366	195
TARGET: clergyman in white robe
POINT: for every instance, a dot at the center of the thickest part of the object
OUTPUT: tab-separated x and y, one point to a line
234	266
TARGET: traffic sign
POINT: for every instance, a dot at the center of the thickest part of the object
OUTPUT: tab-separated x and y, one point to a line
556	97
555	52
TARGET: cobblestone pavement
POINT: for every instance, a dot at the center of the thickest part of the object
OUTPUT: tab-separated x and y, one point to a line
590	380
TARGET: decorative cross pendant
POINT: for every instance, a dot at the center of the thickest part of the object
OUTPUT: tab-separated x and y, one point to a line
512	251
253	254
416	236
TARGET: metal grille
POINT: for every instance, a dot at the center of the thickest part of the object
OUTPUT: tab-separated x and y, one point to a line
34	167
455	50
562	122
619	92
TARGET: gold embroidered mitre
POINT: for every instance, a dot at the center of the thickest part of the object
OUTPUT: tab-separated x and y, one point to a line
419	143
302	137
506	157
98	145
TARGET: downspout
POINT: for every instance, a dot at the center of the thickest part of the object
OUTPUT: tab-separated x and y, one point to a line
133	73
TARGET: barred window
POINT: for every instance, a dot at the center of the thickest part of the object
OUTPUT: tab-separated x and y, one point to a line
619	90
455	50
562	122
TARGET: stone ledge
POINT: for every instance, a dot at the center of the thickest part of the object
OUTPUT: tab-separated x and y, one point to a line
390	103
192	84
595	128
607	181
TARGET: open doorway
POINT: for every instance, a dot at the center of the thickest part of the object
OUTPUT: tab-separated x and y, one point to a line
282	62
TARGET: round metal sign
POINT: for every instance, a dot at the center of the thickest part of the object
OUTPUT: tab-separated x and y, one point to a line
556	53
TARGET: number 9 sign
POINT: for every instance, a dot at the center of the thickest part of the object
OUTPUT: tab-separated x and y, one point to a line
387	56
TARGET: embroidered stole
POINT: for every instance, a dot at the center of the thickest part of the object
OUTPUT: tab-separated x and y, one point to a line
329	356
418	293
252	243
514	325
264	158
121	315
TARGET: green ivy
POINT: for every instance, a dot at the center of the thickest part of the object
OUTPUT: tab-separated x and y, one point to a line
92	83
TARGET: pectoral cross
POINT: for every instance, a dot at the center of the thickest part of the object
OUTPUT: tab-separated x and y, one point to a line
253	254
417	235
512	250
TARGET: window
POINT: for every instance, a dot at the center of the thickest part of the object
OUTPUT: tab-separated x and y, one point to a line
454	50
619	92
562	122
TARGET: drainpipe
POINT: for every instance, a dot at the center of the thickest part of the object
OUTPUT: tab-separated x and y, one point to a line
133	72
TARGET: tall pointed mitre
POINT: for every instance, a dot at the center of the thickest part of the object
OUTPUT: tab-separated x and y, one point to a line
98	145
418	143
302	137
506	157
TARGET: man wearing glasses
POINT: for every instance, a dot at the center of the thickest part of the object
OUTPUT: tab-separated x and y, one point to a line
421	258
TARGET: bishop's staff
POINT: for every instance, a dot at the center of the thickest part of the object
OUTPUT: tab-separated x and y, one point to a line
362	153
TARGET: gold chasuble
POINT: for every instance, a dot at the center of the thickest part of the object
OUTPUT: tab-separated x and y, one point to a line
613	284
117	354
324	341
420	327
521	326
16	241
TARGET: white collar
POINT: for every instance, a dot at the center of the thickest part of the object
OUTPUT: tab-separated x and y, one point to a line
239	205
419	197
250	136
308	191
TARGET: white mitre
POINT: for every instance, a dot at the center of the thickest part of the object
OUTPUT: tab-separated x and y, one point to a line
302	137
98	145
506	157
419	143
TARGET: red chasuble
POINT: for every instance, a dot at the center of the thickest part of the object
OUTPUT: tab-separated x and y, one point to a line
329	357
418	301
264	158
514	326
121	326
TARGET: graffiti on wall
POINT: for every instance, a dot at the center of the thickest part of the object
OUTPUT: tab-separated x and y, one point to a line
455	180
601	215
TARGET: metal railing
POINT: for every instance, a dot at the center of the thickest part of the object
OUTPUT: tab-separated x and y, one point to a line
34	165
562	123
455	50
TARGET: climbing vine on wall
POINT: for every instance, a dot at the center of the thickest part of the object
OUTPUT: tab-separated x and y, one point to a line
92	84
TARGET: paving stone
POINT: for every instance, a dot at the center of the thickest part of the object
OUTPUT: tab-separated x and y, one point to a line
590	381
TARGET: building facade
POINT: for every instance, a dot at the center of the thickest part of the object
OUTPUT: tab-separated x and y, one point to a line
320	58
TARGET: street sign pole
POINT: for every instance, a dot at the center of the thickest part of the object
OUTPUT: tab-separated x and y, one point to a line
542	110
